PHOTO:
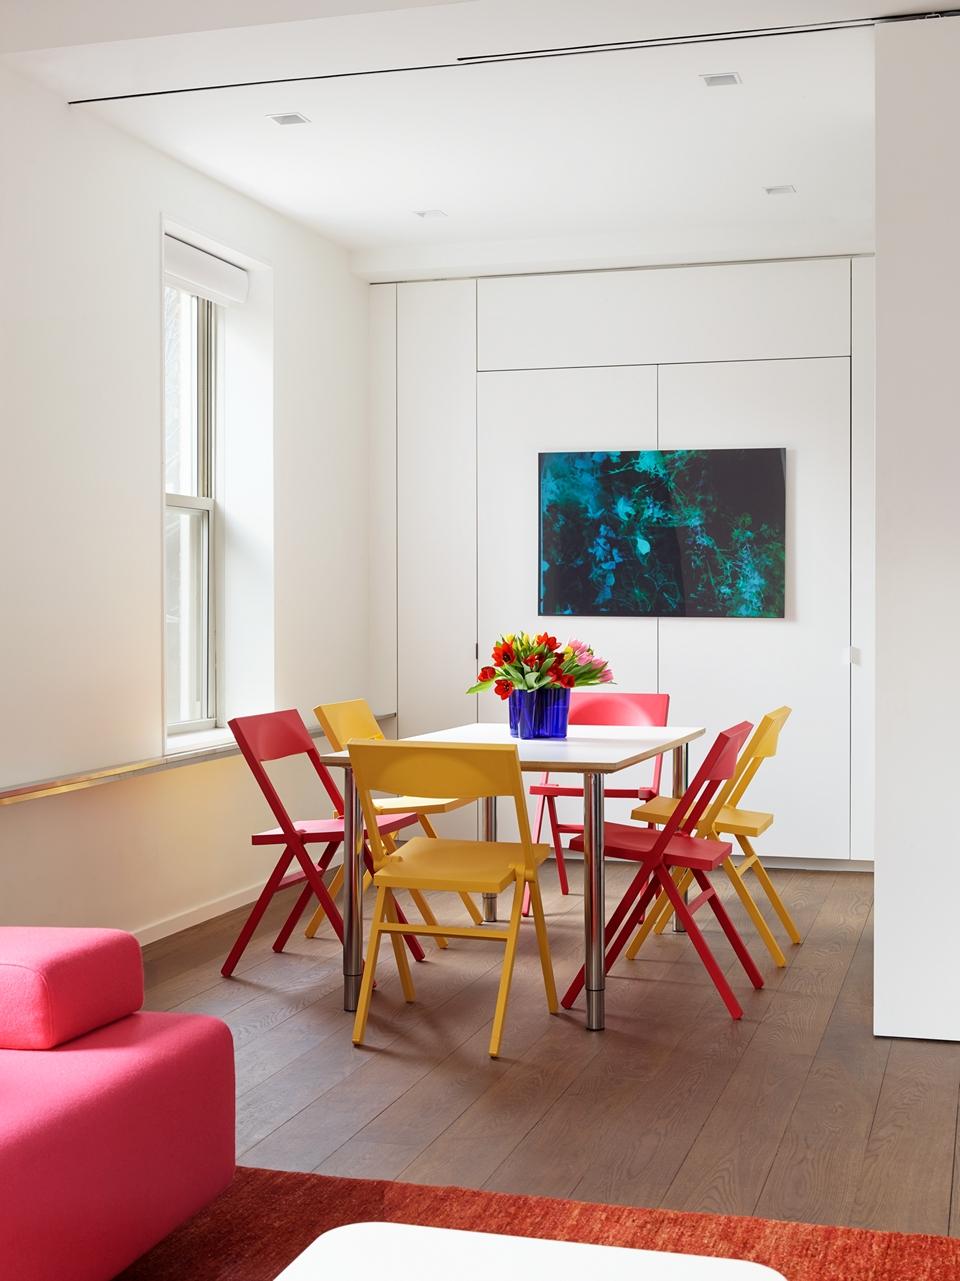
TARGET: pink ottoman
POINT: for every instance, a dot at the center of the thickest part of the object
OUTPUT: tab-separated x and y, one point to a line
113	1137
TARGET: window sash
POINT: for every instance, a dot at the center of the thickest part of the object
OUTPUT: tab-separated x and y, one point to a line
199	653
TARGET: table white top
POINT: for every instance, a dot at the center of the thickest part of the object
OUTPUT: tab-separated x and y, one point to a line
408	1253
597	749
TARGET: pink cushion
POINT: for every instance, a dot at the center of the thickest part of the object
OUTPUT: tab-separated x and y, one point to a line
109	1142
56	984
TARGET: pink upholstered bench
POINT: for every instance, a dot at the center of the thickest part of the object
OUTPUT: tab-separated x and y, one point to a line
115	1126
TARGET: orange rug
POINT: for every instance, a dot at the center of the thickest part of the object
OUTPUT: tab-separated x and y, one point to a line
267	1217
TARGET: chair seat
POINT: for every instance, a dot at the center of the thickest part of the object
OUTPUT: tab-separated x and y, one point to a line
622	841
315	830
486	867
419	804
628	793
731	821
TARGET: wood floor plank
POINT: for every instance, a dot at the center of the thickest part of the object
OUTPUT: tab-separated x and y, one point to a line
814	1174
798	1111
905	1182
393	1140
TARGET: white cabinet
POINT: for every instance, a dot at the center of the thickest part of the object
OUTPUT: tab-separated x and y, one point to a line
488	374
436	513
757	311
382	495
720	671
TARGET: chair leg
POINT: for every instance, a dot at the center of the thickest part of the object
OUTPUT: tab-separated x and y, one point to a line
316	920
506	974
256	912
475	914
538	823
557	838
306	894
403	965
336	885
525	911
775	900
728	927
369	968
629	904
753	911
543	946
683	878
700	943
661	906
557	844
427	913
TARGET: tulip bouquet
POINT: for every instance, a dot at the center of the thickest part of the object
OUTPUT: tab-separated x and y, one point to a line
524	662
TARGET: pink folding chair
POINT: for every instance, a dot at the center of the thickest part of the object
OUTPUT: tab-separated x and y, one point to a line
275	736
587	707
675	846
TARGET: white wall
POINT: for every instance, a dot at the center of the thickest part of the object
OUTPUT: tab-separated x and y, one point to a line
918	565
81	210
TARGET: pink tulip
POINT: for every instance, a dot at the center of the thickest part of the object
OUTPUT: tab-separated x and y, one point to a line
606	676
598	663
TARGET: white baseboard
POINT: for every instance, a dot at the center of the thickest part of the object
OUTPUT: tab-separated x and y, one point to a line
197	915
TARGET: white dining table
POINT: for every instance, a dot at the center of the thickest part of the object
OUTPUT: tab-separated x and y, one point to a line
593	751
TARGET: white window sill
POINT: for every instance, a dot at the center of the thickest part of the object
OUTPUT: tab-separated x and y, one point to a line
181	749
198	740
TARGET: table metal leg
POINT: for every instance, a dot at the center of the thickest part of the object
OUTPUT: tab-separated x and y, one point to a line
488	832
681	778
352	897
593	898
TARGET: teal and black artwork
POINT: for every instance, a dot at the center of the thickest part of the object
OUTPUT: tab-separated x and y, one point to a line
663	533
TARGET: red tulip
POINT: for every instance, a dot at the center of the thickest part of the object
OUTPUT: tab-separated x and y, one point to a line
504	688
487	674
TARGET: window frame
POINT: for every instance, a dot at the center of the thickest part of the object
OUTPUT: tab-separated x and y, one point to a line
207	337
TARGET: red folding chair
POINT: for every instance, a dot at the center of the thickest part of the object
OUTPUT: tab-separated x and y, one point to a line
275	736
675	846
590	708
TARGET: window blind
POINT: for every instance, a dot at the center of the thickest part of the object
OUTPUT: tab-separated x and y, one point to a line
202	273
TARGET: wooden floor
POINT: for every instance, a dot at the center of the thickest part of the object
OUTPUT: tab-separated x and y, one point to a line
796	1112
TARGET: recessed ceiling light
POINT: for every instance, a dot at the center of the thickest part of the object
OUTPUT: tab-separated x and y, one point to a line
785	189
717	79
429	213
289	118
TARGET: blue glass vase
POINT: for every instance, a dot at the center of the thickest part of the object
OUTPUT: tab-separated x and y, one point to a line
539	713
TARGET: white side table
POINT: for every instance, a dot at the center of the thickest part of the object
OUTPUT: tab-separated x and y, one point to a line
408	1253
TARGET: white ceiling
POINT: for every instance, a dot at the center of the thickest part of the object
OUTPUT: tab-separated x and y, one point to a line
589	160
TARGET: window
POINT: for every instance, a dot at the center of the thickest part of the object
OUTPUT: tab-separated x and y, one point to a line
190	418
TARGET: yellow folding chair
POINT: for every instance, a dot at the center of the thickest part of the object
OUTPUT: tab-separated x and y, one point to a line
351	721
726	818
479	867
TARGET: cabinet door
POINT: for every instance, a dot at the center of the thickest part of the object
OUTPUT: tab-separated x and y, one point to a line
519	415
720	671
436	512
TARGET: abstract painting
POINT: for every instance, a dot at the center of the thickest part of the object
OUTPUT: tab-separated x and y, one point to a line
663	533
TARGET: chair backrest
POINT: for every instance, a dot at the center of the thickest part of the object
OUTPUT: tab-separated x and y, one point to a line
589	707
342	722
436	770
274	736
764	743
718	768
